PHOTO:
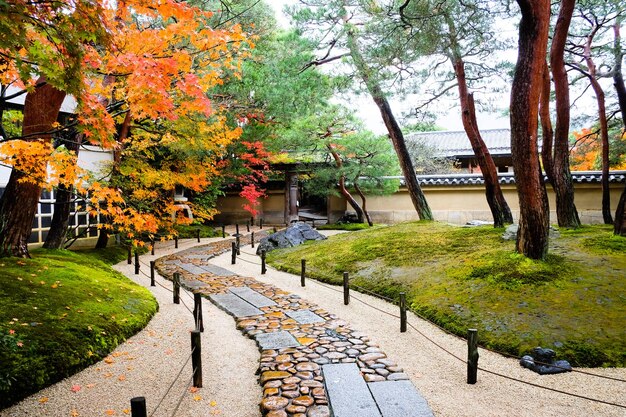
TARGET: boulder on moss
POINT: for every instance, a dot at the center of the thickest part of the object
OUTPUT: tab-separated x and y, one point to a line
294	235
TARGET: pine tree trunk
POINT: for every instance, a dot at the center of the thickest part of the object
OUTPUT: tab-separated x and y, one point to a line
532	236
342	186
567	215
618	77
62	205
619	227
547	133
363	204
18	204
495	199
395	133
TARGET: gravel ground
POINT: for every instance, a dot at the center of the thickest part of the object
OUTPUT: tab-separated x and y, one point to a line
439	376
146	364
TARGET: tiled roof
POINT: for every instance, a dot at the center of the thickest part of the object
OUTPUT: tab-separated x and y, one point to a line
579	177
456	143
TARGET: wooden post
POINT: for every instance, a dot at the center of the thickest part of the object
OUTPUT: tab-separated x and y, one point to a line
261	223
236	229
263	269
152	283
238	240
152	247
313	224
223	232
346	289
196	358
302	271
248	225
176	242
233	258
252	240
402	312
198	235
176	291
472	355
252	221
274	229
197	311
138	407
136	262
130	255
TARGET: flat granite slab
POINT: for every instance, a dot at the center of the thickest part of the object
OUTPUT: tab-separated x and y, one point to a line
219	271
276	340
193	269
234	305
304	316
399	399
348	394
251	296
194	284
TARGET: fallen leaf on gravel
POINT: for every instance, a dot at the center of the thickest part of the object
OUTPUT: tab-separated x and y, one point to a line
110	412
108	360
213	403
121	378
193	390
74	413
43	400
90	385
197	398
126	411
75	388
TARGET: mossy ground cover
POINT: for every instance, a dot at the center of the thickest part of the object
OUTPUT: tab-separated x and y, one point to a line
573	302
60	312
188	231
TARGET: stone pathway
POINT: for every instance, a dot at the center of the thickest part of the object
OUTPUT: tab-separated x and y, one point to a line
311	361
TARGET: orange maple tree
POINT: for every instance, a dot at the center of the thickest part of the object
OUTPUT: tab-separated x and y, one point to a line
141	88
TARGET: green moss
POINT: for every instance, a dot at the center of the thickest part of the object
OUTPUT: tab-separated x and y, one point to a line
344	226
464	278
63	311
189	231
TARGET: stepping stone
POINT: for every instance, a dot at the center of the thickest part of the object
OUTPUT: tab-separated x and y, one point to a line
399	399
251	296
276	340
193	269
218	270
234	305
205	257
348	394
305	316
194	284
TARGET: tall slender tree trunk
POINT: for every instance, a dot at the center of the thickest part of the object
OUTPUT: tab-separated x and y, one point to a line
547	133
495	199
604	129
566	212
62	203
363	203
342	185
619	226
18	204
532	236
395	133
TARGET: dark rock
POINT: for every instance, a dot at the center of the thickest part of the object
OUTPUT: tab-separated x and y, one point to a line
542	361
294	235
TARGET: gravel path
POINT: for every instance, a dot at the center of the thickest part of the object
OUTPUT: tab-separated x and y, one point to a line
146	364
440	377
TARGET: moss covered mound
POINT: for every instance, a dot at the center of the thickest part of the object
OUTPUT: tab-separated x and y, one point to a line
573	302
60	312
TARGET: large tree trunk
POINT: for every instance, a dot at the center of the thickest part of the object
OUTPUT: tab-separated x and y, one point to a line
566	212
62	204
604	129
532	236
395	133
18	204
342	185
618	78
547	133
619	225
495	199
363	204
